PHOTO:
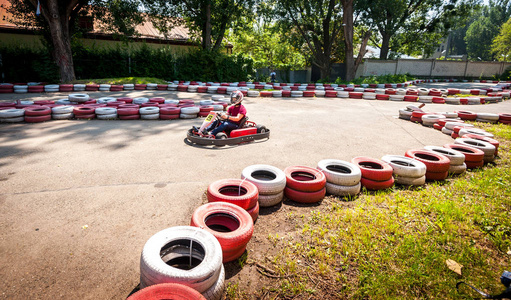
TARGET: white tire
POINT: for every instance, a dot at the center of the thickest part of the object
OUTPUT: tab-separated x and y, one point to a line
104	100
105	111
488	116
403	166
190	110
397	97
105	86
218	107
152	86
296	94
205	102
12	113
78	97
343	190
489	158
51	87
51	90
66	109
140	100
452	101
149	110
269	180
128	86
415	181
405	114
176	102
369	96
464	131
216	291
451	125
277	94
169	245
487	148
106	117
26	102
187	116
150	117
425	99
458	169
79	87
63	102
172	87
320	93
447	131
456	157
62	116
340	172
217	97
270	200
343	94
192	88
12	120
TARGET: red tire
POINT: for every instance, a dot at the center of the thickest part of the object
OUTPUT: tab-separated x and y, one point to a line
127	111
355	95
438	100
265	94
230	224
37	119
474	165
435	162
383	97
203	114
443	121
158	100
505	122
89	116
149	104
115	103
170	111
37	111
454	135
505	117
411	98
309	93
206	108
418	114
125	99
254	212
235	191
304	197
168	117
172	291
438	126
129	106
467	115
416	119
373	169
472	155
304	179
130	117
377	185
83	110
436	176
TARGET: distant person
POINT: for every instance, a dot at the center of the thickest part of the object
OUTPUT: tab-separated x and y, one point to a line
273	76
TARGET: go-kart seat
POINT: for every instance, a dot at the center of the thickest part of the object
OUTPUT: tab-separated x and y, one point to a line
242	122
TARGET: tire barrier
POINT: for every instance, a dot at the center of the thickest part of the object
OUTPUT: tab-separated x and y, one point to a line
376	174
474	158
270	182
230	224
487	148
342	177
456	158
406	171
240	192
304	184
437	165
167	291
184	255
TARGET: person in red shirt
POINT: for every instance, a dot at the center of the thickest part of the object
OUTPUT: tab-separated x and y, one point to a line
230	121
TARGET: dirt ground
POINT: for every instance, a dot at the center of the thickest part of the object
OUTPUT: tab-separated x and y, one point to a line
78	199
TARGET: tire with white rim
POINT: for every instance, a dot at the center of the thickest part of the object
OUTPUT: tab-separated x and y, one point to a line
487	148
105	111
457	169
150	110
190	110
104	100
447	131
164	255
187	116
343	190
403	166
150	117
78	97
410	180
62	116
481	132
12	113
270	200
340	172
269	180
66	109
488	116
106	117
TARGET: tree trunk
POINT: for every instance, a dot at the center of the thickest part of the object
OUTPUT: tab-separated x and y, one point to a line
59	31
362	51
206	26
384	51
347	18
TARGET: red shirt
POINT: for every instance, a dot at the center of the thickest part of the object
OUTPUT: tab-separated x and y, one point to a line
235	110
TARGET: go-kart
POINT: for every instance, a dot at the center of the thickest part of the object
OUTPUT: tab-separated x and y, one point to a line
247	131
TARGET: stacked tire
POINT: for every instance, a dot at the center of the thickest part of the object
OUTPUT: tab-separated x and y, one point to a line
486	147
169	113
149	113
456	159
342	177
106	113
406	171
37	114
494	142
64	112
167	291
270	182
166	258
189	112
304	184
128	112
474	158
84	112
236	191
503	118
376	174
12	115
437	165
230	224
78	98
487	117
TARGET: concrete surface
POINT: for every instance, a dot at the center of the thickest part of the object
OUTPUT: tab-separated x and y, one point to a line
78	199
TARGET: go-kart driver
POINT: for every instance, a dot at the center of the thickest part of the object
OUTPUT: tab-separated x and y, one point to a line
230	121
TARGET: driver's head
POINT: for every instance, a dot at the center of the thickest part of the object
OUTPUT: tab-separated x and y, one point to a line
236	97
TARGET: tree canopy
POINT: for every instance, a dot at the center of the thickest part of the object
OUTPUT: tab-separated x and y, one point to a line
501	45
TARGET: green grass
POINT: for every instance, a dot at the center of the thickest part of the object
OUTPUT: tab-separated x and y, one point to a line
121	80
394	244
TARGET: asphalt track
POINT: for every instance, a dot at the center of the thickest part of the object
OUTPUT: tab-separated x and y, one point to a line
78	199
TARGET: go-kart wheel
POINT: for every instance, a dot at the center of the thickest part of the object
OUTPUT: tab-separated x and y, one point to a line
261	129
221	136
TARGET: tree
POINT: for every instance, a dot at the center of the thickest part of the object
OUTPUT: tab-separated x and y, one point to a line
352	64
57	21
408	21
485	28
501	44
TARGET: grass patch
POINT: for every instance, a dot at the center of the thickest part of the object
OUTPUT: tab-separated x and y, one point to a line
394	244
121	80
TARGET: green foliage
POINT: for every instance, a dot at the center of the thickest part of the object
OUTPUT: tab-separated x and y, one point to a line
399	78
25	64
506	75
501	44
